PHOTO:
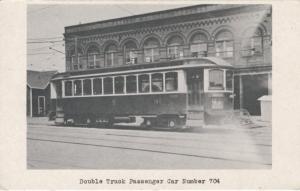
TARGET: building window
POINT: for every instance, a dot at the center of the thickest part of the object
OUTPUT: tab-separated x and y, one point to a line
229	80
157	82
252	44
68	88
111	57
97	86
199	45
77	87
119	85
151	50
224	44
130	52
77	63
175	47
144	83
108	85
216	79
93	57
171	81
87	87
131	84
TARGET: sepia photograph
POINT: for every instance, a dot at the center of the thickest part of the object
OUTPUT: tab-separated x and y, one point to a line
149	86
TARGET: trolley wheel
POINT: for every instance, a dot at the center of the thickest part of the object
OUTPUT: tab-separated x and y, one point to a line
147	123
172	123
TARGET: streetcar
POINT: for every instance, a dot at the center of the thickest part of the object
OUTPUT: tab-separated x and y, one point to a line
176	94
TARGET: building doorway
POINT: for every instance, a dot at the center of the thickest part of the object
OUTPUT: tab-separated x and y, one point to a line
253	87
195	89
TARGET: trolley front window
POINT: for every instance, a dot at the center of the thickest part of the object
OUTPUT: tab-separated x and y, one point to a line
131	84
97	86
144	83
171	81
87	85
119	85
77	87
68	88
157	82
216	79
108	85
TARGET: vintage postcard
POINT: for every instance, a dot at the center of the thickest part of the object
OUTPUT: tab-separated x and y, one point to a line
149	95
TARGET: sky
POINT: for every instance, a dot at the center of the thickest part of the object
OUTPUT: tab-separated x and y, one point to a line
46	22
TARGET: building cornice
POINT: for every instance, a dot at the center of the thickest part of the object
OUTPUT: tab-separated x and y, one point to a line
251	16
204	10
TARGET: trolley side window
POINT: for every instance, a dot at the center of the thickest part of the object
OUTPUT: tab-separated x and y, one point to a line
216	79
108	85
87	87
77	87
119	85
157	82
97	86
68	88
131	84
144	83
229	77
171	83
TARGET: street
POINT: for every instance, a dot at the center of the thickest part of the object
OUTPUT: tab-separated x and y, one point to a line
54	147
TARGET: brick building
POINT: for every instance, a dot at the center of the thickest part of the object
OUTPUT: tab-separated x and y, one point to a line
238	35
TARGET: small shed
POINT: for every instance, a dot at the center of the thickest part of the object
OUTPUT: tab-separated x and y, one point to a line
38	92
266	107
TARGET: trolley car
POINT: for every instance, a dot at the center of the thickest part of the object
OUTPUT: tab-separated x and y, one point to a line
174	94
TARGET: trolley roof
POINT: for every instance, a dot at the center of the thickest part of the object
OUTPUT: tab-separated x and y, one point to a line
205	62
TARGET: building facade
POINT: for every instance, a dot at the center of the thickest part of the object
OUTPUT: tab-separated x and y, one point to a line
239	36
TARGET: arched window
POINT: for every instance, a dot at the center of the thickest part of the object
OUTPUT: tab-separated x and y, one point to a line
252	43
216	79
175	47
198	44
151	50
111	58
77	63
224	44
130	52
93	57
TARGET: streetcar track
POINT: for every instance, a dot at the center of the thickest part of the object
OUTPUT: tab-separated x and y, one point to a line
166	138
147	150
48	162
176	146
178	139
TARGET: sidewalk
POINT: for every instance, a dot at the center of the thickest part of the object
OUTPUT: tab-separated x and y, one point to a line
257	125
39	121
